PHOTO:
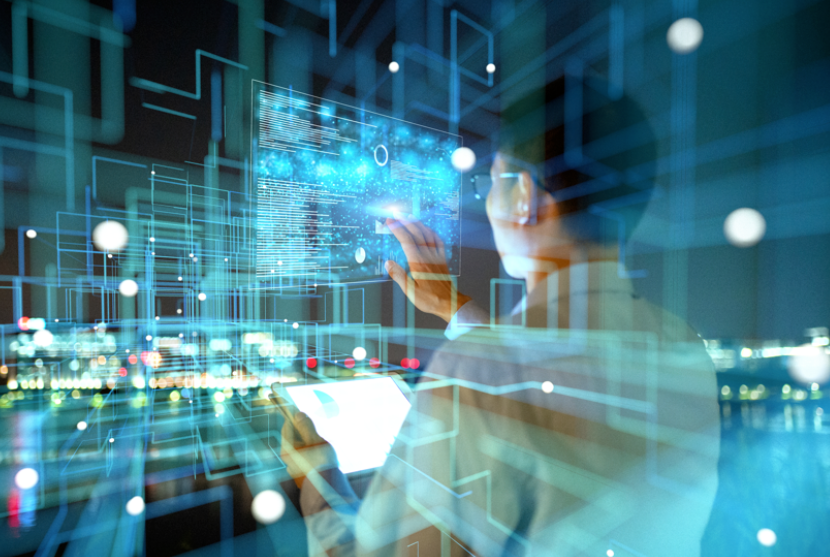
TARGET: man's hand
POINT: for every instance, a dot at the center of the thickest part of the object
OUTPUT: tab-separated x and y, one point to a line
429	287
303	449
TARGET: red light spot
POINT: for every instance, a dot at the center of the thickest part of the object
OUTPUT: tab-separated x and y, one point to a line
145	357
133	359
405	362
374	362
123	371
311	363
349	362
23	323
414	363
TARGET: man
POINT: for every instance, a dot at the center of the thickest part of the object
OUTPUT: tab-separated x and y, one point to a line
592	428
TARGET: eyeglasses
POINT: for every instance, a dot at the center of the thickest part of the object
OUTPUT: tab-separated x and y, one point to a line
483	182
505	204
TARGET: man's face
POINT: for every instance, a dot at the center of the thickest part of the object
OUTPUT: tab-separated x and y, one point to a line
521	217
509	206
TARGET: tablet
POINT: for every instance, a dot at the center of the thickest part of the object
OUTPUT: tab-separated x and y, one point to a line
360	418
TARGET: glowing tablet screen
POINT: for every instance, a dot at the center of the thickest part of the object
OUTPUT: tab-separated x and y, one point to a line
360	418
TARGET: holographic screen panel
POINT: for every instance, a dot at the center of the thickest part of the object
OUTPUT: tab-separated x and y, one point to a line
328	175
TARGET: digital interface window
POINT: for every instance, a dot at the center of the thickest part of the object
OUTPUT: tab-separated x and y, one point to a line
328	175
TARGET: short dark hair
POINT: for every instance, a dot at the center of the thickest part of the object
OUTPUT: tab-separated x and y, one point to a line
595	150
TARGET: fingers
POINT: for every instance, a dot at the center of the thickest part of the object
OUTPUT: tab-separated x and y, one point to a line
410	249
288	436
305	427
430	237
411	227
398	274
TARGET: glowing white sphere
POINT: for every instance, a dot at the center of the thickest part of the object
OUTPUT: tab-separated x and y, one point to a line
202	296
360	255
359	353
394	67
135	506
268	506
128	288
463	159
491	68
31	233
685	35
744	227
610	553
547	387
110	236
42	338
82	425
767	537
809	364
296	325
26	478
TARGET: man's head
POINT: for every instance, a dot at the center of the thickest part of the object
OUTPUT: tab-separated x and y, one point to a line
574	170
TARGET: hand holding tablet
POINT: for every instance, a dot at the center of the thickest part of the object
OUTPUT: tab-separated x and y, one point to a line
302	449
357	418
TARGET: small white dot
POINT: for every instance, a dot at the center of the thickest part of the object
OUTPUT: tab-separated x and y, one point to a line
394	67
685	35
195	259
547	387
152	239
296	325
149	338
128	288
152	172
26	478
31	233
279	262
191	255
359	353
180	278
178	311
767	537
157	317
744	227
81	425
226	259
491	68
268	506
109	256
135	506
202	296
610	553
152	253
112	439
463	159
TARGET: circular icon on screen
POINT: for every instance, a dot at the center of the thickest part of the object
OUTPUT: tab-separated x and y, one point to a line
360	255
385	155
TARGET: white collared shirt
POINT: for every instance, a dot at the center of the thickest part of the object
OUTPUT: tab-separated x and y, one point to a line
544	441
